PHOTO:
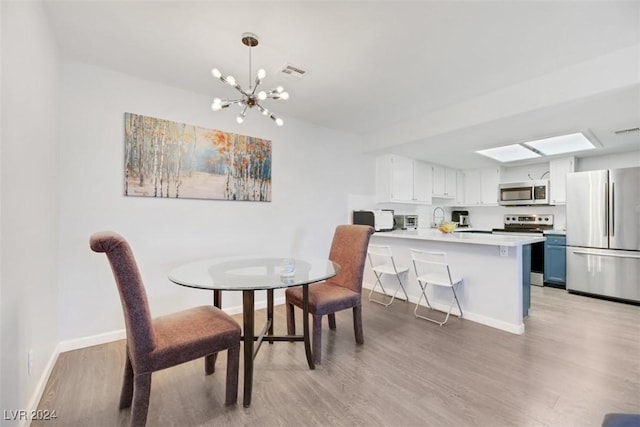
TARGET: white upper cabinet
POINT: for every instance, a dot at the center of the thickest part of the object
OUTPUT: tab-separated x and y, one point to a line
558	170
402	180
444	182
472	187
451	182
481	187
460	191
422	179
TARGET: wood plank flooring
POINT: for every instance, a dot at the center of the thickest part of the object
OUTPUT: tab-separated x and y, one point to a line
578	360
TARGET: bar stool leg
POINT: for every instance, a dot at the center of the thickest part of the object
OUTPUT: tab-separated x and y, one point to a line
393	297
454	301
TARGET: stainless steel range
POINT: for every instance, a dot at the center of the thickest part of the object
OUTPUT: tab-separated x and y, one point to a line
527	224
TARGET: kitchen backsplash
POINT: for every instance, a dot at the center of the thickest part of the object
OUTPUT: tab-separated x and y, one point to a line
485	217
489	217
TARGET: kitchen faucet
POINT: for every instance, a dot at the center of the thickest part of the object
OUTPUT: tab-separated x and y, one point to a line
441	217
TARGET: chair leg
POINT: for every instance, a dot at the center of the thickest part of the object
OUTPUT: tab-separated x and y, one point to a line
140	406
448	312
393	297
424	294
415	310
126	394
317	338
210	363
453	289
332	321
384	292
291	319
233	366
402	286
455	300
357	324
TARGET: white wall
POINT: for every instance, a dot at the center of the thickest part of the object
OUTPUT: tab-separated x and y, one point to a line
613	161
61	177
604	74
314	171
1	244
29	201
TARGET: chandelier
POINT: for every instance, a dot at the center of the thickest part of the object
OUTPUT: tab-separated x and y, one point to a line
249	97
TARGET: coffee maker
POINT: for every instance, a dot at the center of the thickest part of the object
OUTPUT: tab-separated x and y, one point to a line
461	218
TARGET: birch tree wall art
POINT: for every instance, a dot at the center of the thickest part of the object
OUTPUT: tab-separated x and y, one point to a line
175	160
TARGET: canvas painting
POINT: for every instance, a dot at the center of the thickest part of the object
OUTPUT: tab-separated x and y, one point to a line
175	160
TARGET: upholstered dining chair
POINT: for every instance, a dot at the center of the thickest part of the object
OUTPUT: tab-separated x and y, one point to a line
162	342
343	291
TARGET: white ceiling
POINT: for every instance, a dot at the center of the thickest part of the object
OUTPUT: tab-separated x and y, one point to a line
378	68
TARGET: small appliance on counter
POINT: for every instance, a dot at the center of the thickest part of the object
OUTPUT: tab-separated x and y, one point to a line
461	218
405	222
380	219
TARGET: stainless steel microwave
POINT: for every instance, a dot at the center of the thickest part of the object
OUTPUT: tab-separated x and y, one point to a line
525	193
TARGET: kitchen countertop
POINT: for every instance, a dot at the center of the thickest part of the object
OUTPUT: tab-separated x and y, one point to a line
465	238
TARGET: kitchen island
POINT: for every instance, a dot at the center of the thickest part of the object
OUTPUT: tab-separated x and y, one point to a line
495	270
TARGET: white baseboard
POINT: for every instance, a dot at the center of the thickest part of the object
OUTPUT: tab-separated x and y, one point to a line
468	315
41	384
62	347
89	341
503	326
77	343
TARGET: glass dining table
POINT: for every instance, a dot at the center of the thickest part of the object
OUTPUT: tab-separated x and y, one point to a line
250	274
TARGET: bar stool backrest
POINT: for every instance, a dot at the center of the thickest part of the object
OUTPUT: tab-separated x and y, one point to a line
432	267
380	255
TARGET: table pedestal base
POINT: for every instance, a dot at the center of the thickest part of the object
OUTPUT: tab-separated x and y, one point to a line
248	337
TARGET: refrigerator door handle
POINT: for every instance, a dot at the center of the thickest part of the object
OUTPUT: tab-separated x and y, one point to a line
578	252
612	203
606	210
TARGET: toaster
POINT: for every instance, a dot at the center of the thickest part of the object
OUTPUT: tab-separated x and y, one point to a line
380	220
405	222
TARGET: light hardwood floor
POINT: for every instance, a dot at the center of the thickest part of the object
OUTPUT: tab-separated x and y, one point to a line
578	360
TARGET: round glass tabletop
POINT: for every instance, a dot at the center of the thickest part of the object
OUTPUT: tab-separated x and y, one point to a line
253	273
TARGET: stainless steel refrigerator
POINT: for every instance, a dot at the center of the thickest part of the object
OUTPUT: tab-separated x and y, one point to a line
603	233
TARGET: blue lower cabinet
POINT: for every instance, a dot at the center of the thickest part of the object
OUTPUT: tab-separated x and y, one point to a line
555	261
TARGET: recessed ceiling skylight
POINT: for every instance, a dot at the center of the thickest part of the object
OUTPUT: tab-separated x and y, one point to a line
561	144
509	153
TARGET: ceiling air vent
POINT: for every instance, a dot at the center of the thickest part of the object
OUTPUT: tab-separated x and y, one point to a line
626	131
293	72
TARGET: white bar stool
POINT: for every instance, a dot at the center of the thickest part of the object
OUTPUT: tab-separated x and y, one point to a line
432	269
382	262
